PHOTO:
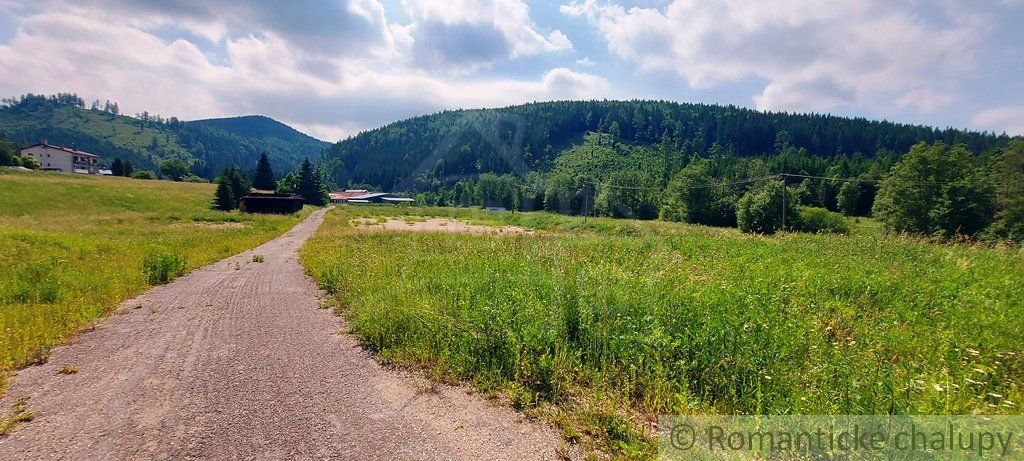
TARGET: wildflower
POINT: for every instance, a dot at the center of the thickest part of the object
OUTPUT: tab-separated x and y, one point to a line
938	387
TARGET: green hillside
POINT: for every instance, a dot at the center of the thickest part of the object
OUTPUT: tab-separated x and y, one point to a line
703	164
518	139
208	145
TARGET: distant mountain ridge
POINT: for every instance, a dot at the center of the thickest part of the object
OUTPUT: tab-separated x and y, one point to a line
523	138
208	145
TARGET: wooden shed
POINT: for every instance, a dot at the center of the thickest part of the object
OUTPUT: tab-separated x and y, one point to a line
270	203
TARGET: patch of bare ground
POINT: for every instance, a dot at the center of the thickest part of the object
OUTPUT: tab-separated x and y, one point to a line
434	225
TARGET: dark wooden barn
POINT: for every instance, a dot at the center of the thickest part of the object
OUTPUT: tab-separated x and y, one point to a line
270	203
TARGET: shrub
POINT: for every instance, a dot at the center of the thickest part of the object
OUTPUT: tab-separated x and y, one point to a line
161	268
30	162
257	258
144	174
820	220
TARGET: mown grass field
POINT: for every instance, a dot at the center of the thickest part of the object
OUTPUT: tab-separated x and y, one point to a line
601	325
73	247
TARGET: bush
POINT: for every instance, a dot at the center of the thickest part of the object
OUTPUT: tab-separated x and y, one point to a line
144	174
821	221
30	162
161	268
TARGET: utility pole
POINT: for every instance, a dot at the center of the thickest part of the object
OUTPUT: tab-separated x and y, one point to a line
783	176
586	206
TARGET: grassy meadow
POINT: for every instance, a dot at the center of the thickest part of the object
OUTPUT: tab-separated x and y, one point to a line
599	326
72	247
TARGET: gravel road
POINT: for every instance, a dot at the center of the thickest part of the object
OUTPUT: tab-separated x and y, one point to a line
237	361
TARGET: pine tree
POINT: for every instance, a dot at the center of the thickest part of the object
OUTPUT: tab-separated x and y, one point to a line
224	199
117	168
310	184
129	168
237	181
264	179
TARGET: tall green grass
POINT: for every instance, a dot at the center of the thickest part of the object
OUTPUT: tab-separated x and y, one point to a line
602	325
72	247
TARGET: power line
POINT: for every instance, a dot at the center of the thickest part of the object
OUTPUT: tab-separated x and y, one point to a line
876	181
695	186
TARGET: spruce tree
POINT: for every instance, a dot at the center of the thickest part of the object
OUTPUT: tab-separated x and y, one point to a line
224	199
237	181
264	179
117	168
310	184
129	168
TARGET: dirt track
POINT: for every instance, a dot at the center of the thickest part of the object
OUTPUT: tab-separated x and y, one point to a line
241	363
436	225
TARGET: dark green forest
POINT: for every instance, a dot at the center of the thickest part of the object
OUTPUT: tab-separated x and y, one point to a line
529	137
148	140
685	162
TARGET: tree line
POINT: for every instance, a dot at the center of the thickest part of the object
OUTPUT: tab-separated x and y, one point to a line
935	189
233	184
530	137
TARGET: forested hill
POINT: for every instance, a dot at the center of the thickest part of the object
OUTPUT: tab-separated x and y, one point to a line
466	143
146	140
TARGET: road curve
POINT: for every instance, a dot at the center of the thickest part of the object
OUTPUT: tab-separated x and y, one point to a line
237	361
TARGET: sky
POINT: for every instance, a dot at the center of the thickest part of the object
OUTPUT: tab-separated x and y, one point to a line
332	68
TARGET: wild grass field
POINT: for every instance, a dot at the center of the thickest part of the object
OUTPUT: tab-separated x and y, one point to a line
599	326
72	247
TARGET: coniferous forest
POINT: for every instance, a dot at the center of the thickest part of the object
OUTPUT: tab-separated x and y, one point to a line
694	163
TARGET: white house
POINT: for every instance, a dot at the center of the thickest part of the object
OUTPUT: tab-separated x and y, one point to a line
65	159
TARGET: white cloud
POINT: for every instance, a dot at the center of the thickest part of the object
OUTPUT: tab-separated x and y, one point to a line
263	72
1009	119
813	55
585	62
457	34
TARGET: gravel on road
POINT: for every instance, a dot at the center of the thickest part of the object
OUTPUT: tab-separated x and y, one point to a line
238	361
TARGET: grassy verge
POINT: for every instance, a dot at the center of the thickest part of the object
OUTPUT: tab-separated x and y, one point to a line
604	325
73	247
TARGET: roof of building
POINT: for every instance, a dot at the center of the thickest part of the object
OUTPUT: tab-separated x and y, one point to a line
62	148
347	194
367	196
363	196
257	196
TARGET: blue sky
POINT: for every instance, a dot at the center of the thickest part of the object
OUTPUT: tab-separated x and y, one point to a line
333	68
